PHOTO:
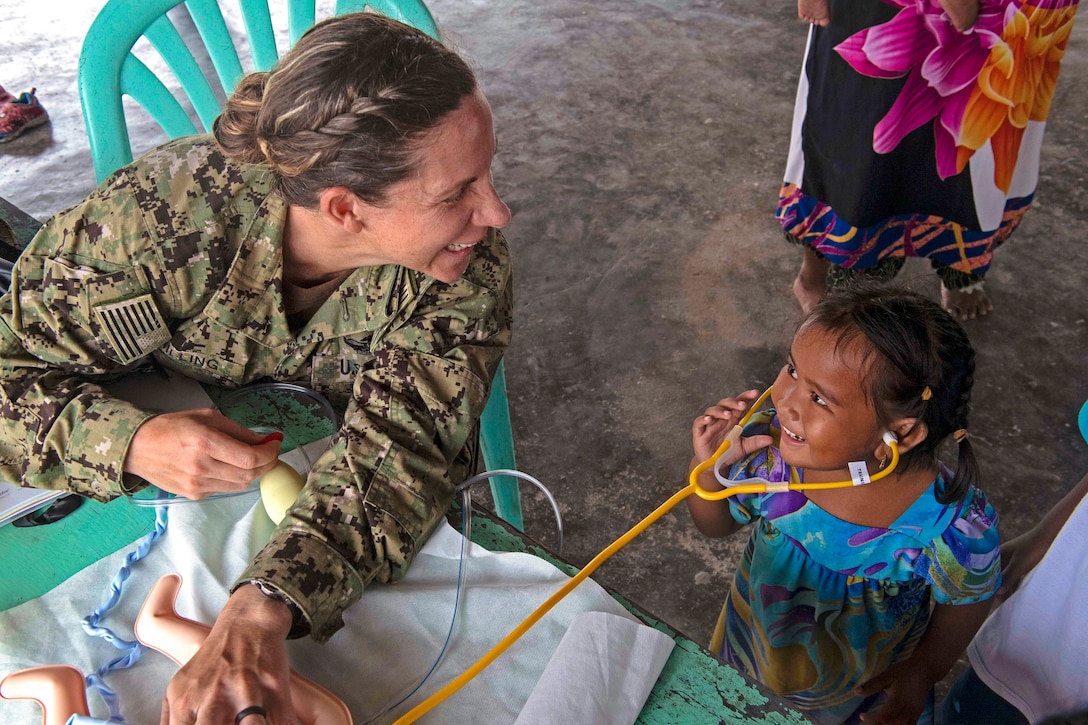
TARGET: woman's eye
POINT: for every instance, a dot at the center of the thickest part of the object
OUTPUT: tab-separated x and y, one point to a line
818	400
791	370
456	197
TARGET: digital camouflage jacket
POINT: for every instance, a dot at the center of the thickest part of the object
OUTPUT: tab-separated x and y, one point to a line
175	260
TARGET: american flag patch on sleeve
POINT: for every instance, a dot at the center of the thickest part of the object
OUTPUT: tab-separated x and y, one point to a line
133	328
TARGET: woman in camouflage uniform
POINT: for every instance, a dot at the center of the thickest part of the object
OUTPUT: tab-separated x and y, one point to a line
340	232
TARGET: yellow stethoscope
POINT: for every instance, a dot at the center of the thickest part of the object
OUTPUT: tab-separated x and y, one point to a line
859	476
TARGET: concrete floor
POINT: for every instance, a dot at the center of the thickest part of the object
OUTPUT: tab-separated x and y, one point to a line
641	147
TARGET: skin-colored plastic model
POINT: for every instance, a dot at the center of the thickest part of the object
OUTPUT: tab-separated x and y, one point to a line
59	689
161	628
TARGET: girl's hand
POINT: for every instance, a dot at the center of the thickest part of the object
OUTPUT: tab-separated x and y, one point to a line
194	453
708	432
907	687
711	428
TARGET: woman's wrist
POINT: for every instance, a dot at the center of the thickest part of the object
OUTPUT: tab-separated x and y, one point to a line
269	607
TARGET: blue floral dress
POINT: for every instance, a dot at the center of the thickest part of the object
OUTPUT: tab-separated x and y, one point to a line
819	605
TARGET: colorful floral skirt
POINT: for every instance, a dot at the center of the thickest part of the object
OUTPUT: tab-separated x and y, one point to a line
911	139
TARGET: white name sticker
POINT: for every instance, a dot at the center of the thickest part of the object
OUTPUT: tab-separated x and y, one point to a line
859	473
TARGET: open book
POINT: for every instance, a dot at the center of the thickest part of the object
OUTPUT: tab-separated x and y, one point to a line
16	501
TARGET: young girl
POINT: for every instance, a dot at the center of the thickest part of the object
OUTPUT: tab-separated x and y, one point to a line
852	602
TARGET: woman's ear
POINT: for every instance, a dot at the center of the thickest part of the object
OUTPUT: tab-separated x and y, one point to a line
342	208
910	432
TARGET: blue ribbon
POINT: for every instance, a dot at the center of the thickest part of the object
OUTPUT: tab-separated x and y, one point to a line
131	651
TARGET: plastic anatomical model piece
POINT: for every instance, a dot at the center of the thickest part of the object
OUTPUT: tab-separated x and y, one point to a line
61	689
161	628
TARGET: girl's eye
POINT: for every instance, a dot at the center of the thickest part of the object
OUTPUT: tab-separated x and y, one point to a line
791	370
818	400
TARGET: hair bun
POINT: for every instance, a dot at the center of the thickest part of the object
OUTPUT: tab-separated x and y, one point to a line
236	128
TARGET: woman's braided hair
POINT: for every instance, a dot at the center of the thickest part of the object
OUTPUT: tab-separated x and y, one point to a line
346	106
913	345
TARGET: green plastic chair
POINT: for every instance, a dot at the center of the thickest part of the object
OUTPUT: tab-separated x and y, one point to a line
497	444
109	70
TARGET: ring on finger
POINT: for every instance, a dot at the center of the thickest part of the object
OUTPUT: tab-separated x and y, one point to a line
251	710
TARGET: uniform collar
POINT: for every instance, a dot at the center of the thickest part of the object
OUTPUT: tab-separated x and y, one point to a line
250	299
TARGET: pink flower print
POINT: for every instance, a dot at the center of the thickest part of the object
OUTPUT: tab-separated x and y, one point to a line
941	65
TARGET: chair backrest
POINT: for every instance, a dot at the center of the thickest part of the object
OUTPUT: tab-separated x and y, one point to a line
109	70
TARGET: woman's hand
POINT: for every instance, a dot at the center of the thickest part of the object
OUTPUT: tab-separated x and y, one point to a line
711	428
907	686
243	663
194	453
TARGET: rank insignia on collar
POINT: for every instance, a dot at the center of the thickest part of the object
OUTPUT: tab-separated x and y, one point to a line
133	328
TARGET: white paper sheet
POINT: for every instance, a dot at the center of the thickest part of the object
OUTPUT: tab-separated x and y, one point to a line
602	672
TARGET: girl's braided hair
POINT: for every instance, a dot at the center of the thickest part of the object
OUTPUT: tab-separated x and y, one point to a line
913	345
346	106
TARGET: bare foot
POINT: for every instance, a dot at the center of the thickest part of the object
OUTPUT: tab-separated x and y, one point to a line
810	286
816	12
966	303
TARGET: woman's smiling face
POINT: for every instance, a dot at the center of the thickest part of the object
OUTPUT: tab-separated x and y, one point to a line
431	221
827	420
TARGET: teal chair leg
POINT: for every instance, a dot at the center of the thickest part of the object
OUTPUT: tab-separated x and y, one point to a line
497	443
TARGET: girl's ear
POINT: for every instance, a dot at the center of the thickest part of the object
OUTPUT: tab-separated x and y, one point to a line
342	208
909	431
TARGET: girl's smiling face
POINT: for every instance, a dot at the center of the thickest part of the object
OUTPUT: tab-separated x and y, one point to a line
827	420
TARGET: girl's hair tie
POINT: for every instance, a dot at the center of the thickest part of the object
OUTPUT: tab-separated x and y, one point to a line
960	435
927	393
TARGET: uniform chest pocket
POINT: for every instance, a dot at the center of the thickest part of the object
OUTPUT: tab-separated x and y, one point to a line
75	289
336	364
117	307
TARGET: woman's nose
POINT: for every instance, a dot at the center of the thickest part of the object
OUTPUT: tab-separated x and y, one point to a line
493	212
